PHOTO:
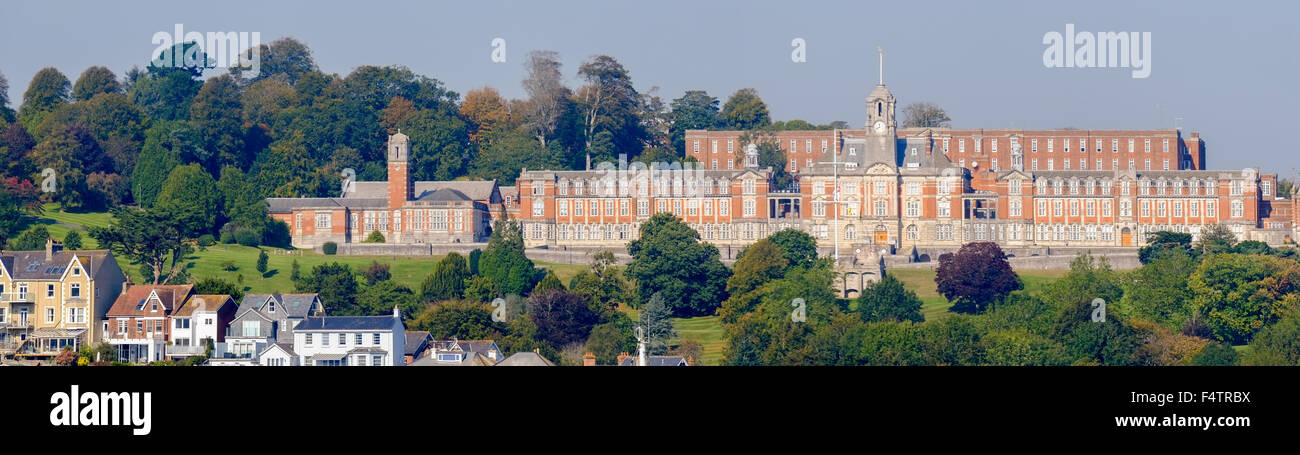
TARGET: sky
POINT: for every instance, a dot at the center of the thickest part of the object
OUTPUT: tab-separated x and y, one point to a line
1225	68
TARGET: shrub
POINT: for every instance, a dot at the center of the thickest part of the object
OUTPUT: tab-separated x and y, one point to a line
72	241
229	266
330	248
206	240
247	237
228	233
276	234
375	237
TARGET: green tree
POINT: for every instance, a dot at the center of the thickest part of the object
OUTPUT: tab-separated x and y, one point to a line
241	203
1158	290
152	237
549	282
504	261
165	145
1159	241
93	81
1215	238
262	258
379	299
669	258
657	325
447	281
695	110
336	285
759	263
480	289
72	241
798	247
285	58
32	239
610	339
374	237
191	195
218	286
888	300
609	104
1237	295
561	317
1277	344
460	319
1216	354
47	91
216	116
745	111
376	272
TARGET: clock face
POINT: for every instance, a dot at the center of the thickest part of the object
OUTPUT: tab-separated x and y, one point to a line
880	126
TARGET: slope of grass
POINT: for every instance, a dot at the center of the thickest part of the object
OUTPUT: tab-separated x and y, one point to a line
934	305
706	330
52	216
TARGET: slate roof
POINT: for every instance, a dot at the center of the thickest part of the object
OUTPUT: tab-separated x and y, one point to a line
319	323
293	305
170	297
415	339
472	359
655	361
444	195
287	347
525	359
475	190
31	264
289	204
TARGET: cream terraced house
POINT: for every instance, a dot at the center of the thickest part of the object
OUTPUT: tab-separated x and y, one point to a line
53	299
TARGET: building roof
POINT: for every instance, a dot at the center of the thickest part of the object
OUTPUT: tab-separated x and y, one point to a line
475	190
132	300
32	265
319	323
286	347
203	302
288	204
471	359
656	361
293	305
525	359
444	195
415	340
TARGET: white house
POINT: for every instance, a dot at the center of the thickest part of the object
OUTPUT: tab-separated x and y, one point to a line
278	355
351	340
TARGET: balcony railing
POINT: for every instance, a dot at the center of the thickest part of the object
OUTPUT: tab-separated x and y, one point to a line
16	297
173	350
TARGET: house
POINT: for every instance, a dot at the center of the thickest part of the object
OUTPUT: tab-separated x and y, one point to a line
278	355
54	299
461	353
525	359
351	340
263	320
140	323
201	320
417	342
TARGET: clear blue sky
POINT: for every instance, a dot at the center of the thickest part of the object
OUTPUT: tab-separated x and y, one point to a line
1227	68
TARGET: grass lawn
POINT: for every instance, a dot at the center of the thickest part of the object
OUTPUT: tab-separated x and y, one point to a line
706	330
52	216
934	306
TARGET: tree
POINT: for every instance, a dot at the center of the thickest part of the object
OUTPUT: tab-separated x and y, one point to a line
376	272
459	319
440	143
165	92
1277	344
72	241
447	281
976	276
657	325
602	283
745	111
218	286
336	285
798	247
380	298
166	144
610	339
1216	354
561	317
487	114
480	289
240	201
1215	238
504	261
549	282
217	118
547	95
374	237
93	81
191	195
262	258
1158	290
11	217
758	264
609	104
1237	295
770	154
6	113
1159	241
888	300
925	115
284	59
47	91
152	237
31	239
668	257
695	110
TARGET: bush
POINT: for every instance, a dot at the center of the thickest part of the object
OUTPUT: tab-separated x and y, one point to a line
247	237
276	234
72	241
228	233
375	237
229	266
206	240
330	248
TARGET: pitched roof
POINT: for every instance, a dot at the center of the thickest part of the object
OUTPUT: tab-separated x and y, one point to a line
415	339
289	204
471	359
525	359
131	301
32	265
203	302
345	323
444	195
293	305
476	190
286	347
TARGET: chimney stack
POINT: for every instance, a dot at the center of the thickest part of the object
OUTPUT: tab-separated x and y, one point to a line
49	249
589	360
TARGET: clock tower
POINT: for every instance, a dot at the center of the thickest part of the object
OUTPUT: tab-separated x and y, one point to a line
882	128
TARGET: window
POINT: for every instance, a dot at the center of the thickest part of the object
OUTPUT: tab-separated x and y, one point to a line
1034	163
539	207
49	290
1266	186
696	146
1074	207
944	209
1015	207
913	188
1091	208
308	339
322	221
181	323
913	233
1126	208
1146	209
1178	208
692	207
1042	208
749	207
1056	208
642	207
1105	208
1193	208
1210	209
609	208
881	209
724	208
913	208
439	220
1238	209
251	328
74	290
75	315
564	208
623	207
1234	189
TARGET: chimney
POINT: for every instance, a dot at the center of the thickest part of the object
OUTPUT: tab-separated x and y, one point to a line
641	358
49	249
589	360
588	161
621	357
397	314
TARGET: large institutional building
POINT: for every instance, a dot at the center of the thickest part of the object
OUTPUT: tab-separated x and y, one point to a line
877	188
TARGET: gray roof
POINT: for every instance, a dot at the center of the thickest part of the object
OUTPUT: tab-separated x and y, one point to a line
656	361
444	195
287	347
287	204
414	340
476	190
32	265
291	305
525	359
345	323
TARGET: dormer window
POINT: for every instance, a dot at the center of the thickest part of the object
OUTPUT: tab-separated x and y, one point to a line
270	307
76	271
153	307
